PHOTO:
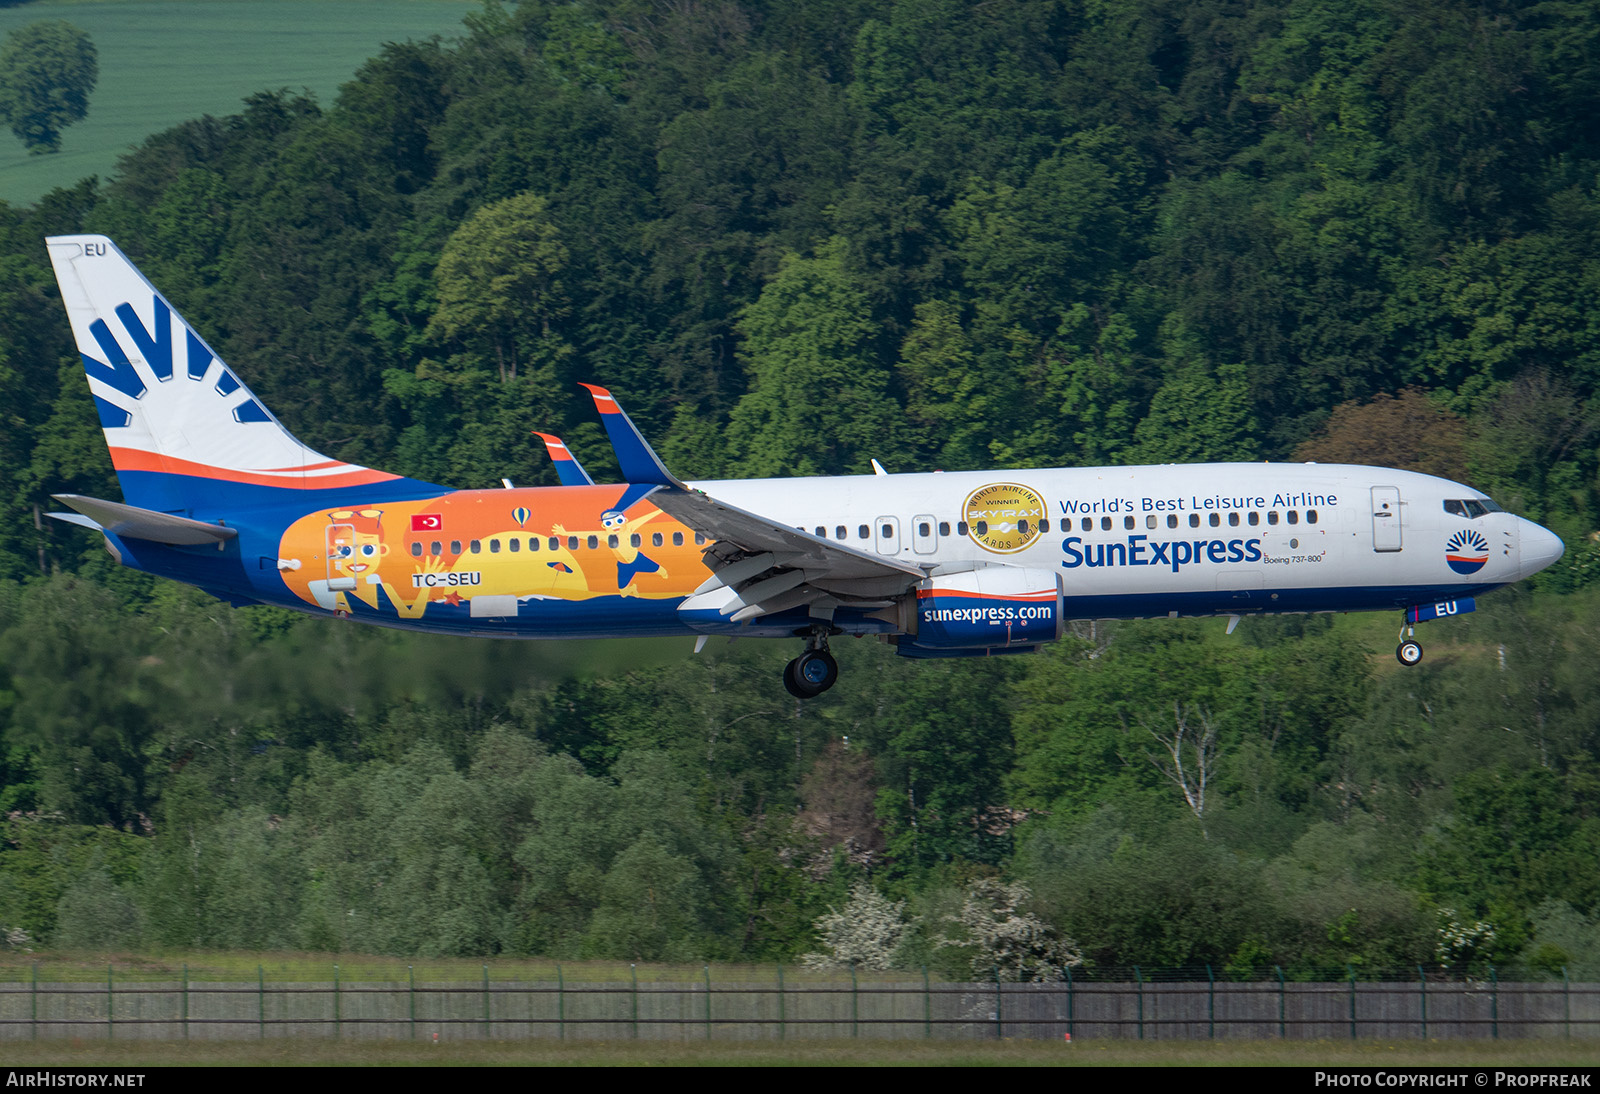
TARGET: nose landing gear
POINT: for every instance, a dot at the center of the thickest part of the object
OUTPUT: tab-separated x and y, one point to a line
813	672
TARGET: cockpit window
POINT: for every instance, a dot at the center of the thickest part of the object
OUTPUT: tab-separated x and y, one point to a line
1471	508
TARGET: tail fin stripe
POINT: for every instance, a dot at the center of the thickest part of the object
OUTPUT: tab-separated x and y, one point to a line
251	411
120	373
157	351
227	383
200	356
111	415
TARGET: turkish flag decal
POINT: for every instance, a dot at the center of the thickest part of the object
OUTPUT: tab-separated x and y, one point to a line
427	522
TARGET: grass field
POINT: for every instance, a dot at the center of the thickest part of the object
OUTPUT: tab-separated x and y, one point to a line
165	61
850	1053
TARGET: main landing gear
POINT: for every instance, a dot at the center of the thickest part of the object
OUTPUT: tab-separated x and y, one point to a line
814	671
1409	651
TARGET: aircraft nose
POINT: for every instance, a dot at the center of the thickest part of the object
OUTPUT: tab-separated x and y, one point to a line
1540	548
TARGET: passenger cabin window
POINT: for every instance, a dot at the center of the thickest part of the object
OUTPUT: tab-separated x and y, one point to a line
1127	522
1215	520
1194	520
961	527
436	548
533	543
1255	518
840	531
1311	516
1272	517
416	549
1172	520
455	546
863	532
1105	524
636	540
477	546
655	539
594	543
677	539
1294	518
981	527
1087	525
821	532
612	541
1044	524
1233	520
1022	526
924	529
572	543
1150	521
555	543
699	540
944	528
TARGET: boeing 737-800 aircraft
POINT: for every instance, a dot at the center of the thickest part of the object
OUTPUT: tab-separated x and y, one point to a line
219	494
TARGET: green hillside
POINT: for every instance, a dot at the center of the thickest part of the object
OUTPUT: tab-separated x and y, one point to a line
794	236
166	61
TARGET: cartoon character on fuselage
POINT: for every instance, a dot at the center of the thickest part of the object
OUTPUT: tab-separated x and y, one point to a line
631	562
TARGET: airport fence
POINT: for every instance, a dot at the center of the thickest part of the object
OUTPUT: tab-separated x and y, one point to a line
776	1003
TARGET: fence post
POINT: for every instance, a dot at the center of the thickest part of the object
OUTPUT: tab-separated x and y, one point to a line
1139	990
1422	988
110	1005
708	1001
997	1004
34	1001
1351	970
855	1013
782	1017
486	1002
1282	1034
1211	1004
1566	999
186	1000
633	970
927	1007
261	1003
1494	1002
561	1003
411	997
1071	1017
338	1016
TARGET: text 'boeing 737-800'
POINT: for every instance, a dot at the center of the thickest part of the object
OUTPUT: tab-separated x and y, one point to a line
219	494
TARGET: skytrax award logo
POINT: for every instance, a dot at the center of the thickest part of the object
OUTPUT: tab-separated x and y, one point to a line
1004	517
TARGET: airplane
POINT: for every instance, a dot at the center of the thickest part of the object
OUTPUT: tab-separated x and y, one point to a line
217	493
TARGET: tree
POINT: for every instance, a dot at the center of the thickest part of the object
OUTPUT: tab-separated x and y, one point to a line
47	71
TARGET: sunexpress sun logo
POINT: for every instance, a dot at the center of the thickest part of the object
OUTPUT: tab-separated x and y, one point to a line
1003	517
1466	552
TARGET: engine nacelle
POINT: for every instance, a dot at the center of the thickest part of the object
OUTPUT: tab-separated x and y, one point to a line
993	608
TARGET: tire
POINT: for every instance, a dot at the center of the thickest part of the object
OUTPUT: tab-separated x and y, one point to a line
811	674
1408	653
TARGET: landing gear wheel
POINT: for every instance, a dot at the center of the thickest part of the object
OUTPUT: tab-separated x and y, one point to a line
1408	653
811	674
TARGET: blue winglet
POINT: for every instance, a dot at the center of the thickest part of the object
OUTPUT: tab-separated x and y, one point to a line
638	460
568	468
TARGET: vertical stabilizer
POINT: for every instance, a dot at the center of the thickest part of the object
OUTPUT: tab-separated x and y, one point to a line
183	430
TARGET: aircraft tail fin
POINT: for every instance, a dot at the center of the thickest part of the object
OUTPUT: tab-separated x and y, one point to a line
638	460
184	431
568	468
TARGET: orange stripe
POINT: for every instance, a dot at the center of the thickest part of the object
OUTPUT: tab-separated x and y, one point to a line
924	594
133	459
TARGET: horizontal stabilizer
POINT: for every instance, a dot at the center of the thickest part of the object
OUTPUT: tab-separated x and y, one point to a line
135	523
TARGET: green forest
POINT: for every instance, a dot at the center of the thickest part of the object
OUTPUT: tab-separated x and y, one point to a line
794	237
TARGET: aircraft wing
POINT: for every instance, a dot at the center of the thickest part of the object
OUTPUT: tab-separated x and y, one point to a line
760	566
